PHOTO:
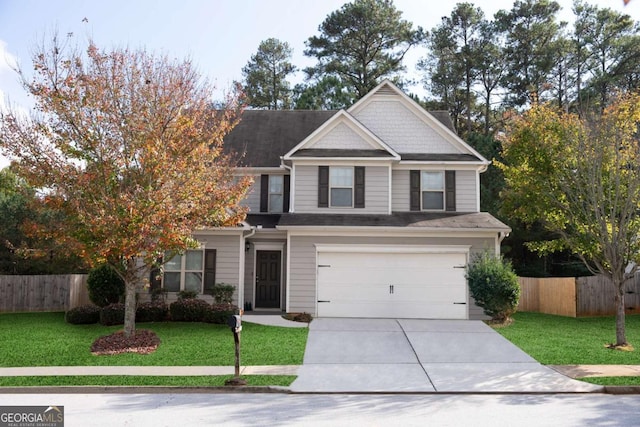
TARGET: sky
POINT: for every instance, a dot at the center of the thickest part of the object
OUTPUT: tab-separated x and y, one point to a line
219	36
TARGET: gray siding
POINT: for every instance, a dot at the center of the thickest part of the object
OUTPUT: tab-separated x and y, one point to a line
465	191
376	191
252	200
303	263
227	258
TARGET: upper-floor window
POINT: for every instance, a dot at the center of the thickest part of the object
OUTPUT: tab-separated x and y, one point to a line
276	193
341	186
432	190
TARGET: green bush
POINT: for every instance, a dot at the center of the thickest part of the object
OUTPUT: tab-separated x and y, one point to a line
105	286
182	295
188	310
83	315
223	293
113	314
153	311
494	286
219	313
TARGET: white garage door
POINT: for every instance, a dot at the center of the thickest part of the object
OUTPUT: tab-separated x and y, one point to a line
392	285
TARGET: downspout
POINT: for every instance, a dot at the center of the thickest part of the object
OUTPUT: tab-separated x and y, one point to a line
291	183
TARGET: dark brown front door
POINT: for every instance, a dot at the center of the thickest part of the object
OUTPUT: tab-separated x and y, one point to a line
268	279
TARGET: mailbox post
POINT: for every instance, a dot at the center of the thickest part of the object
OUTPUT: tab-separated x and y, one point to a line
235	324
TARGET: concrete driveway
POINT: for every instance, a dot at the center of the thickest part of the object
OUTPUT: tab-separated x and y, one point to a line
410	355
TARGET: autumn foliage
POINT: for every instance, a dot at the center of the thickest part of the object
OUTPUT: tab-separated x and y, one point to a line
128	147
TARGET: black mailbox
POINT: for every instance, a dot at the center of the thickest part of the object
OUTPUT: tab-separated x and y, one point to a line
234	322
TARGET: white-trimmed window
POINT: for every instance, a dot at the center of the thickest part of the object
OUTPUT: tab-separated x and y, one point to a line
276	193
184	272
341	187
432	190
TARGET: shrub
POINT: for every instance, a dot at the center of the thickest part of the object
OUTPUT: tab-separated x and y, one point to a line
219	313
494	286
83	315
223	293
153	311
113	314
105	286
188	310
158	294
182	295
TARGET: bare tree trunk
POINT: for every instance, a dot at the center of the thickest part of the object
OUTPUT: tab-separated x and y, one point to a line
621	338
130	309
130	298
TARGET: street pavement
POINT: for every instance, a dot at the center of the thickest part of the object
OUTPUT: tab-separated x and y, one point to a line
242	409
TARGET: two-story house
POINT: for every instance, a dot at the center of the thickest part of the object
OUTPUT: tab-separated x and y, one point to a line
373	211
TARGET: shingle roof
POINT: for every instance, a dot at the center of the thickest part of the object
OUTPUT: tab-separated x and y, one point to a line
262	136
448	220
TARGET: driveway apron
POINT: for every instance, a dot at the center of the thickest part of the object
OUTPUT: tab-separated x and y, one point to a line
411	355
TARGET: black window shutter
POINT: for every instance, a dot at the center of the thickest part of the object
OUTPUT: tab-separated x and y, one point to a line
286	194
264	193
323	186
209	270
450	190
414	190
359	187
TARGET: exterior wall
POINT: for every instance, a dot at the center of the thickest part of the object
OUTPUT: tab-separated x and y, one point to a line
303	268
400	128
376	192
342	136
227	258
466	187
252	201
466	200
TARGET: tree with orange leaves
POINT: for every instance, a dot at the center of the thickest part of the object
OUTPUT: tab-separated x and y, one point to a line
128	147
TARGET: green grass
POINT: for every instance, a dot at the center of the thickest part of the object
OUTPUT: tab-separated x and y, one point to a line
44	339
557	340
628	381
183	381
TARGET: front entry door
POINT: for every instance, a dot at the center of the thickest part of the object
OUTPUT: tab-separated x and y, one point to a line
268	279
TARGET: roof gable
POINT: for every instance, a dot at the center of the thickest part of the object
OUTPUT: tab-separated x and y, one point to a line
341	136
407	127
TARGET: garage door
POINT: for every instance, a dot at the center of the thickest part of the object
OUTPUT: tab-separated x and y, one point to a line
392	285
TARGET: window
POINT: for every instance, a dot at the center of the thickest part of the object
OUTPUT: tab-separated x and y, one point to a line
276	193
432	190
341	187
184	272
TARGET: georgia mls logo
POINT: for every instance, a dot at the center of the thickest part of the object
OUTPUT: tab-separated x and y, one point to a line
31	416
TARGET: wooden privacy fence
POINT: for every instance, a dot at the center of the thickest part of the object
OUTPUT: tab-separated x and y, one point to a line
43	293
576	297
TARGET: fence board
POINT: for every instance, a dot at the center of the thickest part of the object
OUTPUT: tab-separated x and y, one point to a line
42	293
551	295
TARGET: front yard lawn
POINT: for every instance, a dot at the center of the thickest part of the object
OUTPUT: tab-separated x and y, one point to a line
557	340
45	339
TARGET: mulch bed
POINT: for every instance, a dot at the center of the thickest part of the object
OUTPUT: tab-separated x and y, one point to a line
142	341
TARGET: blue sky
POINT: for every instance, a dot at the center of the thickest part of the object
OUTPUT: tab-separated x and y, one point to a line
218	35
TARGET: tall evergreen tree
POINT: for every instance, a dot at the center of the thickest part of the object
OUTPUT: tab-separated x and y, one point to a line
362	43
265	76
